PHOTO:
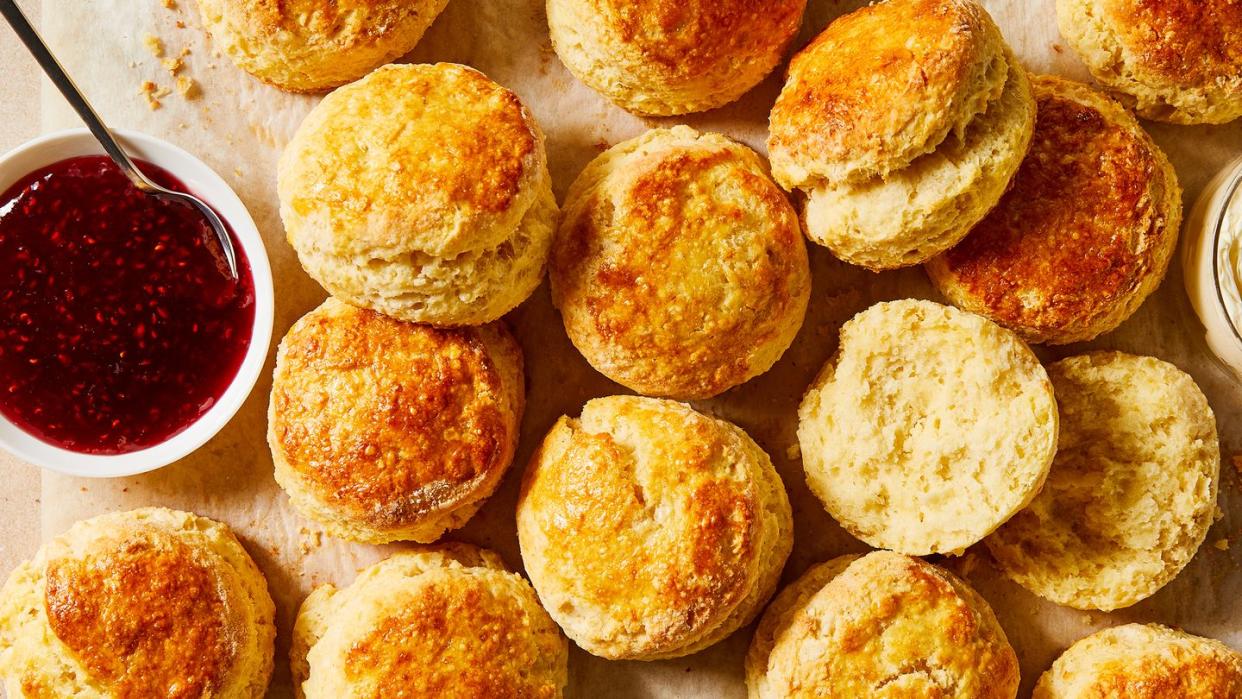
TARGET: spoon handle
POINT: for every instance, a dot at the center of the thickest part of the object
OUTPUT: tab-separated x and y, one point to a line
34	43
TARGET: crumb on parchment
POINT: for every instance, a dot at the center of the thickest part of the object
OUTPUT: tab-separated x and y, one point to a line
1221	544
153	93
154	44
186	87
169	4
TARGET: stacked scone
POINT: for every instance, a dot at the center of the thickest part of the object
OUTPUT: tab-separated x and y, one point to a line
902	124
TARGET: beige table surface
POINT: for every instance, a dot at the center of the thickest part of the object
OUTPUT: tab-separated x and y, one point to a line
19	121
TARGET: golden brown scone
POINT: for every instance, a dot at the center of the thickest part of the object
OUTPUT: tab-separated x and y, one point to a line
1171	60
447	621
679	268
666	57
1085	233
145	603
422	192
1132	491
650	530
312	45
883	626
383	430
882	86
920	211
929	429
1139	661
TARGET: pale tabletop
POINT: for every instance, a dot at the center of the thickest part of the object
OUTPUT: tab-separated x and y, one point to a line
19	121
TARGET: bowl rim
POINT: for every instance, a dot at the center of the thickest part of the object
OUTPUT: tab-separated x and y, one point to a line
205	183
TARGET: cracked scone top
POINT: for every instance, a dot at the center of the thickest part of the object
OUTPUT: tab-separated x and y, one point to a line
1138	661
421	192
650	530
150	602
312	45
930	428
881	625
1131	493
1178	61
679	268
666	57
383	430
447	621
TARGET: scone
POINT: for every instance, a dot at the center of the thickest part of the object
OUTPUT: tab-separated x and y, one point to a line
422	192
902	123
929	429
660	58
650	530
447	621
383	430
1084	235
310	45
145	603
1139	661
1170	60
679	268
1131	493
878	626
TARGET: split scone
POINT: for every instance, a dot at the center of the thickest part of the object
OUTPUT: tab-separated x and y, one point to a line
679	268
902	124
1131	493
310	45
145	603
1170	60
421	192
447	621
1137	661
650	530
660	58
881	625
1084	235
383	430
929	429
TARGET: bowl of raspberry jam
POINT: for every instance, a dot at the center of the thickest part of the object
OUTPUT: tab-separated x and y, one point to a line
125	341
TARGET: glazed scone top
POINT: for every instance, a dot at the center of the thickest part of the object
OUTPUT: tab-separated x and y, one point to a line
433	159
930	427
1084	234
888	626
1173	60
390	422
650	530
1137	661
312	45
882	86
1131	493
147	602
449	622
679	268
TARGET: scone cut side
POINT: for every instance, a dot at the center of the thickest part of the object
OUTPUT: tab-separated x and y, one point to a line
929	429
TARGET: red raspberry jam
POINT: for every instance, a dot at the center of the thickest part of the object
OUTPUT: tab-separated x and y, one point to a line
119	322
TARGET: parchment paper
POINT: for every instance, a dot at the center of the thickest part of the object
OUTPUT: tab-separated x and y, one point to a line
238	126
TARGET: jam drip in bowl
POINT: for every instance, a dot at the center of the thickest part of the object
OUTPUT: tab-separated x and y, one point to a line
120	324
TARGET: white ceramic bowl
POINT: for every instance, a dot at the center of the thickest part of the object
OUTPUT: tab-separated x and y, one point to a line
208	186
1210	272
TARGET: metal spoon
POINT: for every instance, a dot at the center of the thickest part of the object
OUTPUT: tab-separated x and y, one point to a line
61	80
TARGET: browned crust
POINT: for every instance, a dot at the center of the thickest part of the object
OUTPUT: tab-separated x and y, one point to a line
690	37
391	421
1189	43
1085	232
145	617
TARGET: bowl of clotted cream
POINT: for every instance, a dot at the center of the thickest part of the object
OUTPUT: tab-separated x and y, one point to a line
1212	262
